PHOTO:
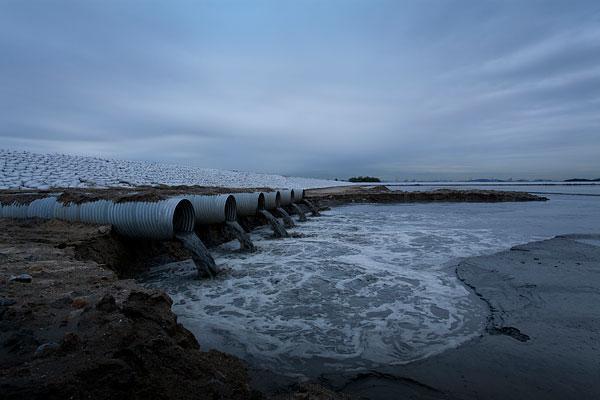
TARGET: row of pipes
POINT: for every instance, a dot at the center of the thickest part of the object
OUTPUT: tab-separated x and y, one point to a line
160	219
175	217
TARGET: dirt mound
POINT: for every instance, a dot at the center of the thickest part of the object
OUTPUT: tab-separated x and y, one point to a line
380	194
72	329
132	350
118	194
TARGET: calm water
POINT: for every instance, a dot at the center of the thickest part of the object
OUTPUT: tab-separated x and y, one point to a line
586	189
365	285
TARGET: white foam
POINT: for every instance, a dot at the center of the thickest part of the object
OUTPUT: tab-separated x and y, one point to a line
366	285
359	289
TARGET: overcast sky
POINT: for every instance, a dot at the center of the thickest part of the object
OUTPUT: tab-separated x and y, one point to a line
397	89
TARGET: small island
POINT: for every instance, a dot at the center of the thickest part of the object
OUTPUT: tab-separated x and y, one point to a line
364	179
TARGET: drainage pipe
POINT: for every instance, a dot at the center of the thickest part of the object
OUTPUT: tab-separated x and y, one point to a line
272	200
214	209
152	220
249	204
42	208
14	210
144	220
297	195
286	197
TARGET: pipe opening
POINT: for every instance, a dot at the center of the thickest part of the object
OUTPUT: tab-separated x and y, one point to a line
261	201
230	209
293	195
278	199
183	217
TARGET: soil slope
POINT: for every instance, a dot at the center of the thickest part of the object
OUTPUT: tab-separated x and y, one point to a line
70	328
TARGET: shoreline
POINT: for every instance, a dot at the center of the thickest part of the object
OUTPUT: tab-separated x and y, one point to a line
335	196
540	340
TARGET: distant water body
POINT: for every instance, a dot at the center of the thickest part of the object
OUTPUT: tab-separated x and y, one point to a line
366	285
570	188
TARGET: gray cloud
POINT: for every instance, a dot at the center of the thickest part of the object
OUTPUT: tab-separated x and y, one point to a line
331	89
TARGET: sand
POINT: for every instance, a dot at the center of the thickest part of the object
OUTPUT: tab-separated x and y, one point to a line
335	196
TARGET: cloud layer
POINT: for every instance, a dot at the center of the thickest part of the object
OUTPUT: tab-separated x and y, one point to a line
421	89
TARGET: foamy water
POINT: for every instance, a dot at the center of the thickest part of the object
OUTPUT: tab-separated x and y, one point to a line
365	285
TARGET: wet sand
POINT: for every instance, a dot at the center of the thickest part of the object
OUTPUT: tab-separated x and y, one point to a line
339	195
542	340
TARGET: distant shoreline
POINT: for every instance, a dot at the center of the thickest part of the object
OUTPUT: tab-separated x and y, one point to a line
338	195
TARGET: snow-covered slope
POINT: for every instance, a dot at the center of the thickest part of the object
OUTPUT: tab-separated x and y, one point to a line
25	170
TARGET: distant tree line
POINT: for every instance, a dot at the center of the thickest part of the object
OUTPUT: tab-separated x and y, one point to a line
364	179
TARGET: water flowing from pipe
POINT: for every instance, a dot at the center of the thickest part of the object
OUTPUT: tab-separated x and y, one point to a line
202	258
278	228
298	210
287	220
241	235
312	208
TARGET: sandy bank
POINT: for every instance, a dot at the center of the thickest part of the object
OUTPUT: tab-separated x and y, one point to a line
71	329
72	325
118	194
334	196
542	337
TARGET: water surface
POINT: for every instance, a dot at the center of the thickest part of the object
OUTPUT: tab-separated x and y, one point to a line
365	285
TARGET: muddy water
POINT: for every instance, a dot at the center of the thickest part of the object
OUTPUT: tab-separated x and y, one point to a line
364	286
299	212
278	228
311	207
287	220
204	262
241	235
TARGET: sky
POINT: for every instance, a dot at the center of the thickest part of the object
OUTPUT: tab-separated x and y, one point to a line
397	89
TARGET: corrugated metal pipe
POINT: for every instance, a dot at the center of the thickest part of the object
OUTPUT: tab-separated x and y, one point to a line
297	195
272	200
14	210
153	220
148	220
286	197
214	209
249	204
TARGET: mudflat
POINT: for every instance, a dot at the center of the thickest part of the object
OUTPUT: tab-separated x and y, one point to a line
542	339
334	196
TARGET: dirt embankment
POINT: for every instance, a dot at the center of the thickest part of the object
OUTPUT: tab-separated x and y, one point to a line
69	328
118	194
380	194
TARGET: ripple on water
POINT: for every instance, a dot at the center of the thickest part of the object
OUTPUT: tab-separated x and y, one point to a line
359	289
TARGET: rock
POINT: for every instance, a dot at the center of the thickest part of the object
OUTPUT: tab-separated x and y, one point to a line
70	342
61	302
75	314
23	278
107	304
104	229
79	302
21	341
46	349
6	302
